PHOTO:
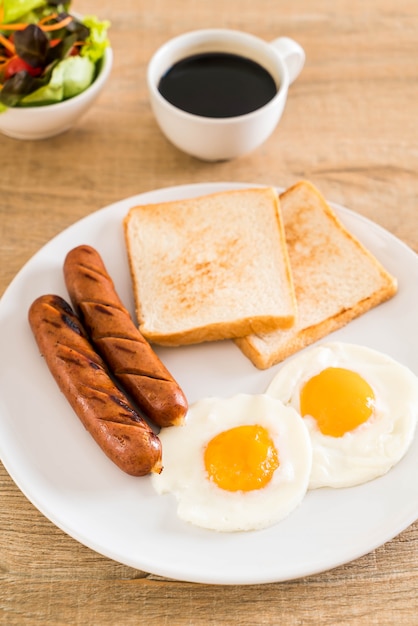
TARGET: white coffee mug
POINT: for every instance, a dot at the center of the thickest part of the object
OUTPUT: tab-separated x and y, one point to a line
214	139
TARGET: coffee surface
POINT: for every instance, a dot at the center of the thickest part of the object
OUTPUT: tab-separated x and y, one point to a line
217	84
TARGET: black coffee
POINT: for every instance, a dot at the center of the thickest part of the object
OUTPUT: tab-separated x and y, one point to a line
217	84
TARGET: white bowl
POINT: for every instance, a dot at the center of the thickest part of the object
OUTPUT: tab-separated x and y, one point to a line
52	119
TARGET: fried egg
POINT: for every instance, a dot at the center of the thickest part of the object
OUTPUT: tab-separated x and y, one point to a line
360	406
238	464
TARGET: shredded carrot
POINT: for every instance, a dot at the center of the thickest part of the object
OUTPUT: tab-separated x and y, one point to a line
45	27
57	25
47	18
7	44
12	26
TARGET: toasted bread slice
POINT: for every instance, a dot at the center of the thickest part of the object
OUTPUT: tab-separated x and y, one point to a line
335	278
209	268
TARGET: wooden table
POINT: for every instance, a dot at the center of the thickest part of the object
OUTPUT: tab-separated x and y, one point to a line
351	128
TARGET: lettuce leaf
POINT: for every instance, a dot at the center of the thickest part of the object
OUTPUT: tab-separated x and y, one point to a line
15	9
69	78
29	11
79	73
97	41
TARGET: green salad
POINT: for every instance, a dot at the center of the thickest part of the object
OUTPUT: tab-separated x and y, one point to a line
47	55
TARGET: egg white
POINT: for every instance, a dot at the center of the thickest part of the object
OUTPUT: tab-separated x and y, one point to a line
200	500
372	448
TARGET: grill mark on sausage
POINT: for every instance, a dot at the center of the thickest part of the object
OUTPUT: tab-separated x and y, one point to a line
91	272
90	356
102	395
92	268
60	305
71	323
66	314
76	361
51	323
102	308
131	372
133	415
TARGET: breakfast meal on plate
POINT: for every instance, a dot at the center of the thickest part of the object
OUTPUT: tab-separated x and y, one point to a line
238	464
117	339
360	407
47	55
81	375
274	274
210	268
335	278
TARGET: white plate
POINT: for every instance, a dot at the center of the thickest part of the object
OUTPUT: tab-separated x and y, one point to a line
60	469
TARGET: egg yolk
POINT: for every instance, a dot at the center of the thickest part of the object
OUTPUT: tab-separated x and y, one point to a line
338	399
243	458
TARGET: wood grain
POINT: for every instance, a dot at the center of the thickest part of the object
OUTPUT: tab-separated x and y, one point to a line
350	127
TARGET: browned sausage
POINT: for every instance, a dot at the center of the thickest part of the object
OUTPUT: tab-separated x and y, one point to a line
117	339
82	377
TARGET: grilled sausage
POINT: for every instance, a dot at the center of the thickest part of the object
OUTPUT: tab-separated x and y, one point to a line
82	377
117	339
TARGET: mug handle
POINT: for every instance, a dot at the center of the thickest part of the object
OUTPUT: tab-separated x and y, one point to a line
292	54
